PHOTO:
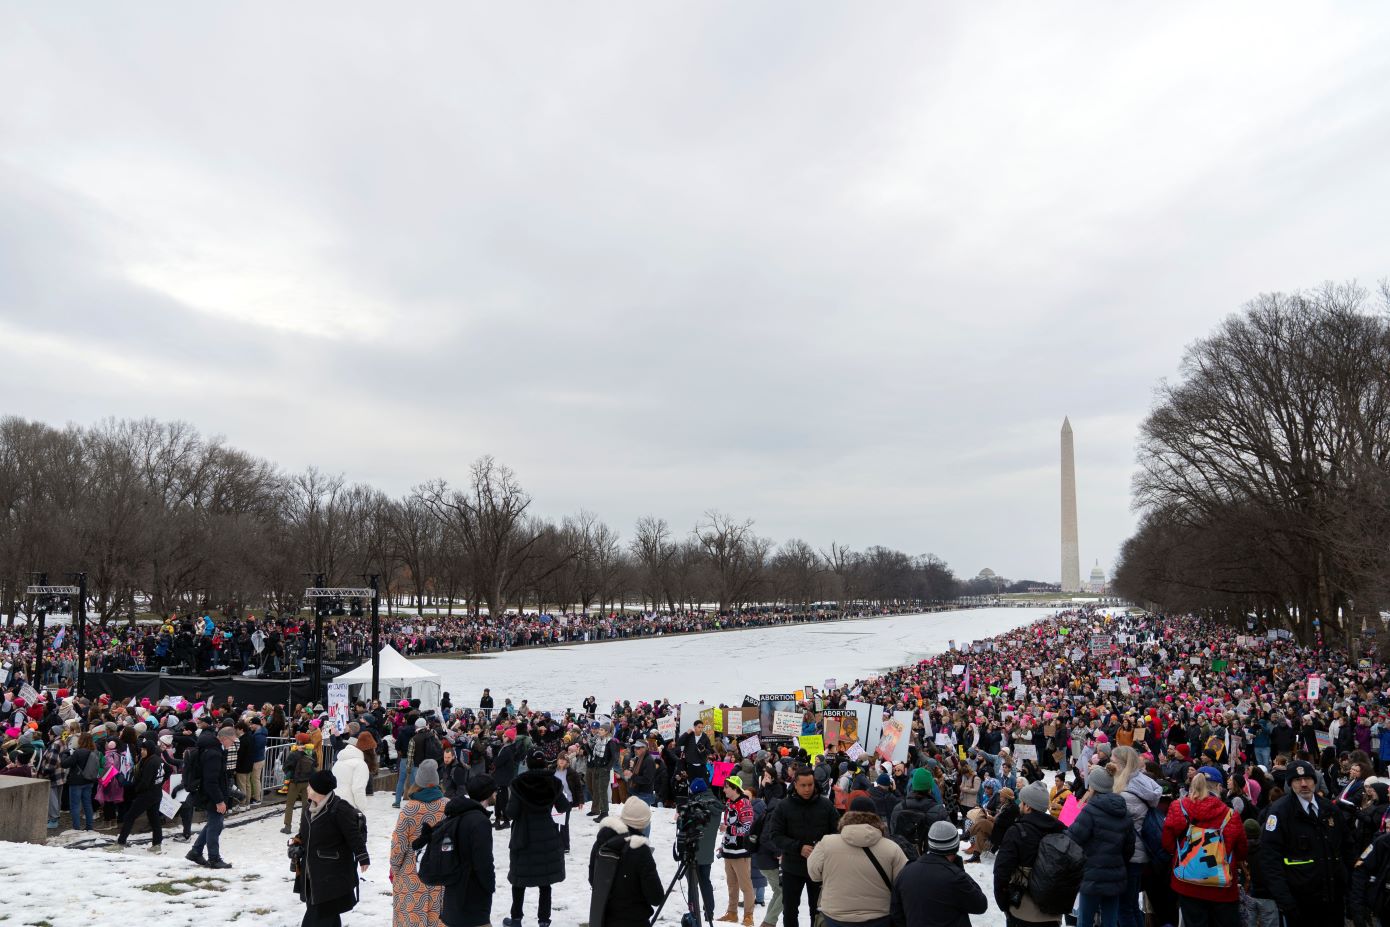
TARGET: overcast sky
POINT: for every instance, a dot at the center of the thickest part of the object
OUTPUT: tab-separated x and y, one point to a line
840	274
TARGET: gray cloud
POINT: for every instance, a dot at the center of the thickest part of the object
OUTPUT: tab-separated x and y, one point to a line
838	273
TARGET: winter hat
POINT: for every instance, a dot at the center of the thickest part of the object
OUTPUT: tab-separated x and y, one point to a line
1100	781
863	803
698	785
301	738
427	774
141	727
884	780
324	782
420	724
734	781
636	814
943	838
481	787
1214	775
920	781
1035	796
509	735
536	760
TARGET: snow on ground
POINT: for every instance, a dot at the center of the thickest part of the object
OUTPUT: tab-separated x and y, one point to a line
718	666
77	887
64	886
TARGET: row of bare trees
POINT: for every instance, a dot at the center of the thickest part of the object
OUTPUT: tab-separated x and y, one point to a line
162	518
1264	470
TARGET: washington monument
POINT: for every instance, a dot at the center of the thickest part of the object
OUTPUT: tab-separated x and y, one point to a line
1071	556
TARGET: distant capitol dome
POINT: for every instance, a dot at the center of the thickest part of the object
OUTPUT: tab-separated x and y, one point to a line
986	573
1097	580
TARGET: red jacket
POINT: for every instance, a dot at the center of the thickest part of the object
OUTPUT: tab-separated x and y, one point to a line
1207	813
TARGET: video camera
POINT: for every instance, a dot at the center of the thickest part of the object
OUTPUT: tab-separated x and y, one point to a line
690	824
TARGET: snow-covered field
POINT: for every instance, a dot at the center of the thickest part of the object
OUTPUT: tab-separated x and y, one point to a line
77	888
67	887
718	667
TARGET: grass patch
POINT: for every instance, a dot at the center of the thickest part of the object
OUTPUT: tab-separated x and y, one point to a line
180	886
40	924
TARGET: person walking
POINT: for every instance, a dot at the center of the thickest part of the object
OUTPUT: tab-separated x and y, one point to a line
1204	878
413	903
1104	831
536	853
210	760
856	868
636	888
1017	854
298	766
330	849
735	848
934	890
1301	851
798	823
468	902
146	790
350	769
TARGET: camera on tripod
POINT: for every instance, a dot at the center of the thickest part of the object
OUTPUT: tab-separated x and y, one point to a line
690	822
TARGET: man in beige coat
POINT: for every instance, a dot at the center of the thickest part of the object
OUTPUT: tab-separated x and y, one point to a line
853	889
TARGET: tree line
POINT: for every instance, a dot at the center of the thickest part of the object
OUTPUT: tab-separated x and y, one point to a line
1263	483
164	519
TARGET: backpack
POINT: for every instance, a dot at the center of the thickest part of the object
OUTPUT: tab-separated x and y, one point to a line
91	770
192	771
1057	871
913	826
1151	836
437	857
1203	857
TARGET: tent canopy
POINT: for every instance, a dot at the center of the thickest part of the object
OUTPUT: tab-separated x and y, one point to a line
399	679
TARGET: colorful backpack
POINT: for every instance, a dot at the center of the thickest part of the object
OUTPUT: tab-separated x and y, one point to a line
1203	857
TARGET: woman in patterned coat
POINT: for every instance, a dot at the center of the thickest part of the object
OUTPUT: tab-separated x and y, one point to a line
413	903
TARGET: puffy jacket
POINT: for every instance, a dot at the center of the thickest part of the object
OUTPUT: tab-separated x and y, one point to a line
1141	794
536	854
470	900
851	889
1208	812
636	889
350	769
1104	831
935	891
798	822
1020	849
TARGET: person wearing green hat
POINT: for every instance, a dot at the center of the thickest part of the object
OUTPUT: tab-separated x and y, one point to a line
737	850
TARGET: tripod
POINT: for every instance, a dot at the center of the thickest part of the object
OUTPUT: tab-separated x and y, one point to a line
686	871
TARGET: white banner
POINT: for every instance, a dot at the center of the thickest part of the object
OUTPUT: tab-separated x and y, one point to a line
750	746
786	723
338	707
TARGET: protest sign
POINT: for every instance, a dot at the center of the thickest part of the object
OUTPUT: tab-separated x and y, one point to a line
1314	687
854	752
1144	672
893	743
338	706
957	669
1016	678
1025	752
786	724
666	727
749	745
813	744
31	697
1108	685
733	720
168	806
1070	810
720	772
830	685
718	721
752	725
943	739
863	713
835	722
771	703
1035	671
1100	643
1324	739
690	713
707	716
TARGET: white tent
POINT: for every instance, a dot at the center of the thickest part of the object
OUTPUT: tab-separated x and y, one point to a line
399	679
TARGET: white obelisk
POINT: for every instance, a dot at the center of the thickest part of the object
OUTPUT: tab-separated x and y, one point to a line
1071	554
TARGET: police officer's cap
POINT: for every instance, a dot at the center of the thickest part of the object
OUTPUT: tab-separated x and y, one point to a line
1302	769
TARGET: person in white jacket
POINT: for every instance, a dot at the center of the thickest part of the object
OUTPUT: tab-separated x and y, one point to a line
350	769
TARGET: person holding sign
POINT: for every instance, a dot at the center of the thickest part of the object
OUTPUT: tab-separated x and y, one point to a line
694	749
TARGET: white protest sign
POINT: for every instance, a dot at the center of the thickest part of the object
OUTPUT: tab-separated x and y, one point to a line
30	696
1314	687
957	669
1107	685
338	707
786	723
1016	678
666	727
830	685
750	746
1144	672
169	807
1025	752
855	751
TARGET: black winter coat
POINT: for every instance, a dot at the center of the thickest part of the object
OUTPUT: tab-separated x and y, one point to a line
933	891
537	854
1020	848
637	888
1106	833
504	772
212	766
76	761
885	800
469	902
796	823
923	802
334	846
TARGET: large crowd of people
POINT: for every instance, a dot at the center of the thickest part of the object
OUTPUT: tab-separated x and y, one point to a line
1122	770
279	644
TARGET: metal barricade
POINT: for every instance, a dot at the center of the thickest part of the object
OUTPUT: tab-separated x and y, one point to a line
273	772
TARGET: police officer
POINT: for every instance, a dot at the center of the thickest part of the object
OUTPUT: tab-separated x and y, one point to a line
1301	852
1368	900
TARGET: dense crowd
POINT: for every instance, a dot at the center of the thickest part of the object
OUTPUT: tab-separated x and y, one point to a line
1127	770
273	644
